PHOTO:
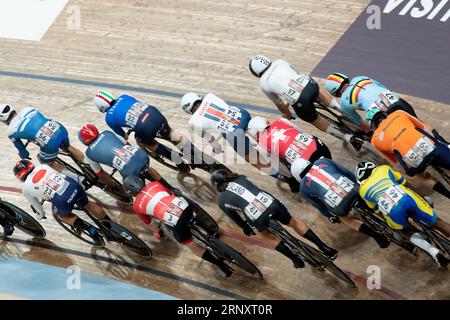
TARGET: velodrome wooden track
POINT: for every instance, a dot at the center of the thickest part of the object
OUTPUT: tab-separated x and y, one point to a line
175	47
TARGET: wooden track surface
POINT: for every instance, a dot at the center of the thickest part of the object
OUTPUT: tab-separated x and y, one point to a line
179	46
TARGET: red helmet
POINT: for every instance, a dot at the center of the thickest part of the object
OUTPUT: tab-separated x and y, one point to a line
22	169
88	134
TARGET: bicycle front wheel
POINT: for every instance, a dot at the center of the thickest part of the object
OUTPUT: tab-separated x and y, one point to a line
235	257
327	264
22	220
127	238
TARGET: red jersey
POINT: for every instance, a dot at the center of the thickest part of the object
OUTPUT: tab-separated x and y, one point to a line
283	139
157	200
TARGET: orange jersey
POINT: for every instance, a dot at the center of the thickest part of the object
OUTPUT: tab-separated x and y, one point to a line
398	132
157	200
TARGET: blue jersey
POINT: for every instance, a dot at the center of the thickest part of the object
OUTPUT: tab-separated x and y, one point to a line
329	187
109	150
31	125
363	93
124	113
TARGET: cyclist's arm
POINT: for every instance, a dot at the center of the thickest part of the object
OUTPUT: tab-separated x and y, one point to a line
95	166
417	123
23	152
318	204
117	129
409	170
234	215
36	204
281	105
147	219
398	177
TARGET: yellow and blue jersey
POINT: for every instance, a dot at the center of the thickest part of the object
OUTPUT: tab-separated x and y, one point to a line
385	191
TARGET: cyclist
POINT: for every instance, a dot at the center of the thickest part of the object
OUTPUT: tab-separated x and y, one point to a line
42	183
284	140
333	190
402	138
364	93
279	80
147	122
385	192
212	118
156	200
238	195
107	149
51	136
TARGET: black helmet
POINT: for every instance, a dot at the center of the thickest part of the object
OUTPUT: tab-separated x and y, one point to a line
218	178
364	170
132	185
377	119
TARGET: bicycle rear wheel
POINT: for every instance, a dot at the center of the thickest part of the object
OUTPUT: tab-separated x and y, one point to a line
234	257
80	233
125	237
22	220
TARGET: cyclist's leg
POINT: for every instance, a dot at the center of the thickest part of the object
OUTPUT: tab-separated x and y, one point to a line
441	156
182	233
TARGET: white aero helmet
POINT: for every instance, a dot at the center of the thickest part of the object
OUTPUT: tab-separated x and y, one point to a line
298	167
188	100
104	100
258	65
5	111
256	126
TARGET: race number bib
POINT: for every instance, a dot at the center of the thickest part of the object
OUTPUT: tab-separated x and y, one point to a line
389	199
291	155
418	152
259	204
226	126
134	113
295	88
46	132
233	113
176	208
386	99
123	156
304	139
55	184
338	191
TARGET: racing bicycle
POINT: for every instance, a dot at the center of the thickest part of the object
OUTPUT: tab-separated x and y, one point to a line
20	219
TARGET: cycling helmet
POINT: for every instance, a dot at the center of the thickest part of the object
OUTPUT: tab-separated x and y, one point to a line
364	170
219	177
104	100
132	185
258	65
256	126
88	134
335	82
374	116
188	101
299	168
5	111
22	169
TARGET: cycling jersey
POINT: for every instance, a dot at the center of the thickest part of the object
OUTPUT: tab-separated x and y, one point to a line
109	150
330	187
214	118
241	195
158	201
281	80
124	113
46	184
285	140
401	137
31	125
384	192
364	93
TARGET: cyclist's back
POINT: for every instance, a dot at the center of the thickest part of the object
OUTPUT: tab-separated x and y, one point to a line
385	191
124	113
331	188
108	149
284	139
281	80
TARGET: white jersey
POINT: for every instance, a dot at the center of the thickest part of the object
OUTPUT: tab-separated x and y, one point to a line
281	80
214	116
41	185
